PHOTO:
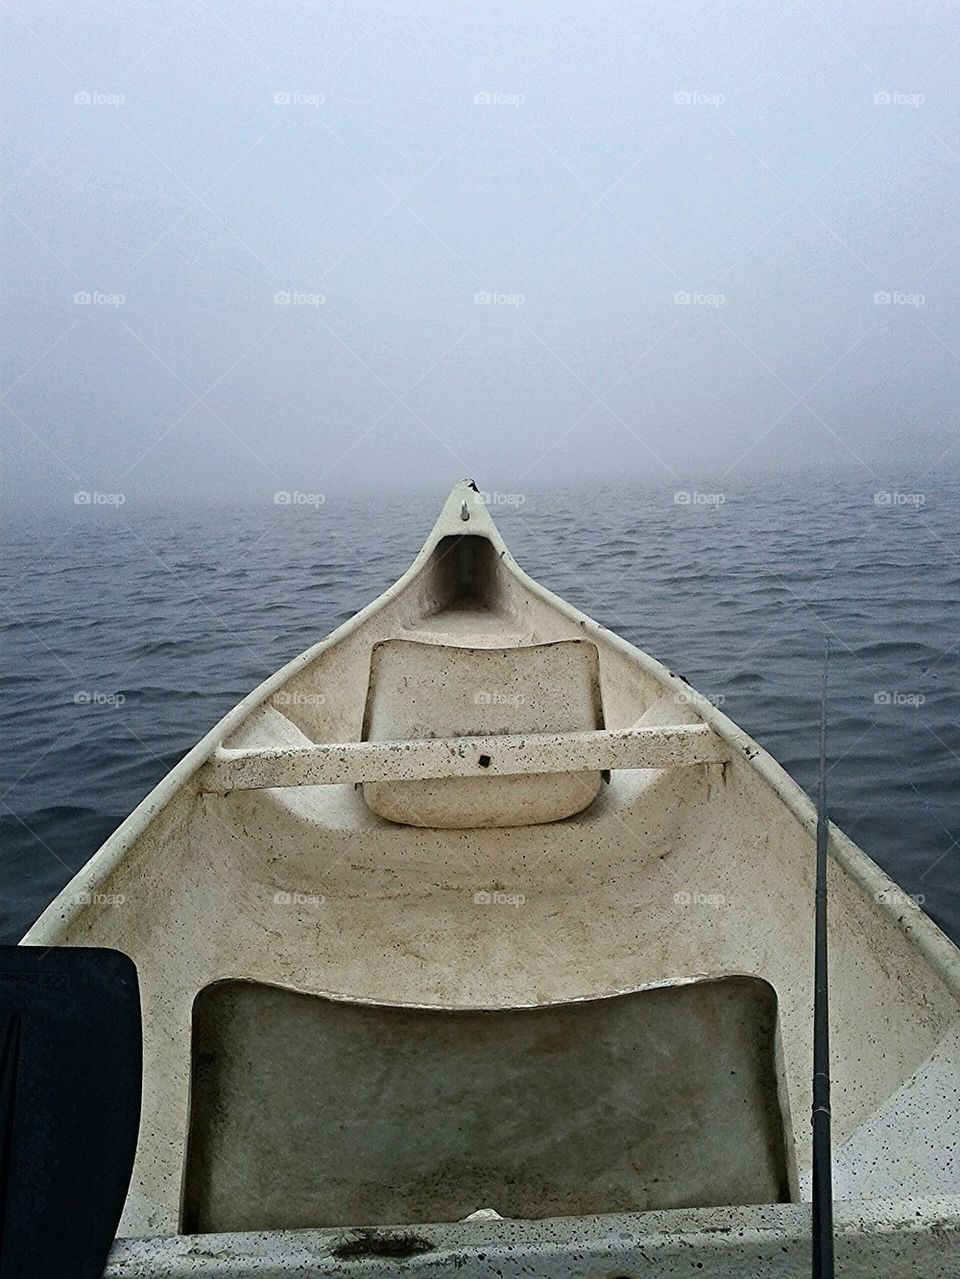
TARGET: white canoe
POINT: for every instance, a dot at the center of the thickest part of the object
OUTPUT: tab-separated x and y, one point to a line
473	906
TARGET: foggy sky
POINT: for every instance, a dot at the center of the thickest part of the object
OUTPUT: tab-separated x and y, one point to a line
487	219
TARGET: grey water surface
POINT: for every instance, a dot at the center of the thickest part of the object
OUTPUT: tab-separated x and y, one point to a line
130	632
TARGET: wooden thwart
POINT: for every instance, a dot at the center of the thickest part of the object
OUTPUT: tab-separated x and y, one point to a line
339	763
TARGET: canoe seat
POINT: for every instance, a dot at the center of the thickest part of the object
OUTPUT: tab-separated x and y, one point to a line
423	691
311	1112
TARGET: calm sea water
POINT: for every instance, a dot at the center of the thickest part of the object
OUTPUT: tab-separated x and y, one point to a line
129	634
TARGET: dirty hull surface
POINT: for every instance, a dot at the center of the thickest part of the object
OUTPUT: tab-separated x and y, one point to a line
881	1240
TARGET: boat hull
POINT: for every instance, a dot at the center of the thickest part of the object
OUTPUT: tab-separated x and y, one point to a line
699	867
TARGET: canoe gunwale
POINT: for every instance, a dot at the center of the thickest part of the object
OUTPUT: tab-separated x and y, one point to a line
733	1242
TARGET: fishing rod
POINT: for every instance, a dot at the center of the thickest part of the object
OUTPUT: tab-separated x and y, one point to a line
822	1234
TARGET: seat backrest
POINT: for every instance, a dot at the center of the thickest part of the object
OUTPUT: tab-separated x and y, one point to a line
419	690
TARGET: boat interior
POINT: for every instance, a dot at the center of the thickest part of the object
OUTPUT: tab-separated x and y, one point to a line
474	906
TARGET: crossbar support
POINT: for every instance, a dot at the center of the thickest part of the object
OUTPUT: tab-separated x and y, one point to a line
339	763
